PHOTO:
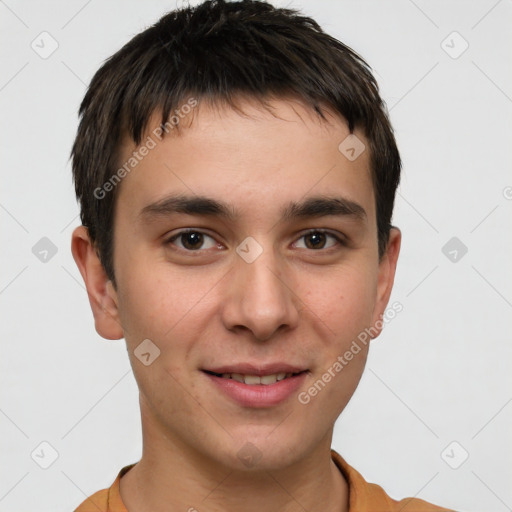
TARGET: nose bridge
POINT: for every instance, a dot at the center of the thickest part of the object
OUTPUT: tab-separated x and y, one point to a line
260	298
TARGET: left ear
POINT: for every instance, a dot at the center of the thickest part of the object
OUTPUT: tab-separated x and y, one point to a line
386	278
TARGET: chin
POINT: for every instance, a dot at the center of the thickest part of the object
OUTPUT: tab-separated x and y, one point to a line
261	453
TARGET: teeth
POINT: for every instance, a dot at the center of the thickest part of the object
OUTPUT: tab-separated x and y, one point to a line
252	379
267	379
256	379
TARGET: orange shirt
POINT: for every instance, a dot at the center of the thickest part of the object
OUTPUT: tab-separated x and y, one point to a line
363	496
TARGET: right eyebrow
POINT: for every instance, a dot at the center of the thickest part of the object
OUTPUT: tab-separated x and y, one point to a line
191	205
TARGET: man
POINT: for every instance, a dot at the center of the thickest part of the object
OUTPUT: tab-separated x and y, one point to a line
236	172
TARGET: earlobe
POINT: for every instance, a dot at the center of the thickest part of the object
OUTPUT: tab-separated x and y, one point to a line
102	296
386	278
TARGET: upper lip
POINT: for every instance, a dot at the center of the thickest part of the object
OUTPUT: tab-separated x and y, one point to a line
260	370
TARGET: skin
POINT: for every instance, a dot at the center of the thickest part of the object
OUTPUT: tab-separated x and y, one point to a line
206	307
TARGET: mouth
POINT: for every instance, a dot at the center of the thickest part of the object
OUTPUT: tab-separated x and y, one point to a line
252	380
251	387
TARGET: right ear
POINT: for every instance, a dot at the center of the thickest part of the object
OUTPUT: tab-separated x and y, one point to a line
102	295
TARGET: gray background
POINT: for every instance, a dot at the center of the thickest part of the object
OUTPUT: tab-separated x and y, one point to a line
441	370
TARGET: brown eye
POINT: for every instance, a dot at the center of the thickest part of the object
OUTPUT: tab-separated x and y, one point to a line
316	239
191	240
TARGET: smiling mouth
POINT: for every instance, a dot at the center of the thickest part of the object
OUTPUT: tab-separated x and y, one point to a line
252	380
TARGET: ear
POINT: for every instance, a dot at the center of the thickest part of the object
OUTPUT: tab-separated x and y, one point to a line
102	295
386	278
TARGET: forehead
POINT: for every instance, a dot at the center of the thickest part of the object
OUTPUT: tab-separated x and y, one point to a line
253	156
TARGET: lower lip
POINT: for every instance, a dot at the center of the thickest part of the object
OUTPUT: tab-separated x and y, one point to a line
259	395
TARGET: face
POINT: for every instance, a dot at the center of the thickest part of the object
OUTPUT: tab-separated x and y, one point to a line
268	265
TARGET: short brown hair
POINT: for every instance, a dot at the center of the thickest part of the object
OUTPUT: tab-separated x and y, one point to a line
219	50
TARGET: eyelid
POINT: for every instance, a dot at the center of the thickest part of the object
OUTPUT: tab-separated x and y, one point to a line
339	237
171	239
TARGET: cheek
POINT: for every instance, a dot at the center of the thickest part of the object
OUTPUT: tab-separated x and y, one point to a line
173	310
342	309
159	307
154	300
343	300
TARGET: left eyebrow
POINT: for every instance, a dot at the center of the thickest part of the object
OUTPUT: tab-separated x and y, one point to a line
323	207
312	207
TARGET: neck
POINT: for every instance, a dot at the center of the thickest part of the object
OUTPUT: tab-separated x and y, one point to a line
171	476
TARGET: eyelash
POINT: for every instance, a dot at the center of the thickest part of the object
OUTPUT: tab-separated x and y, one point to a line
341	242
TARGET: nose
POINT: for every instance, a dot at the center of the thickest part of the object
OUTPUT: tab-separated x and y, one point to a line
260	296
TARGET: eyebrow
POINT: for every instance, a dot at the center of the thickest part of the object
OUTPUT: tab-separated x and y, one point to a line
312	207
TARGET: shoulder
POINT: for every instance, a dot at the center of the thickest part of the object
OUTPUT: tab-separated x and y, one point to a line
106	500
368	497
98	502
